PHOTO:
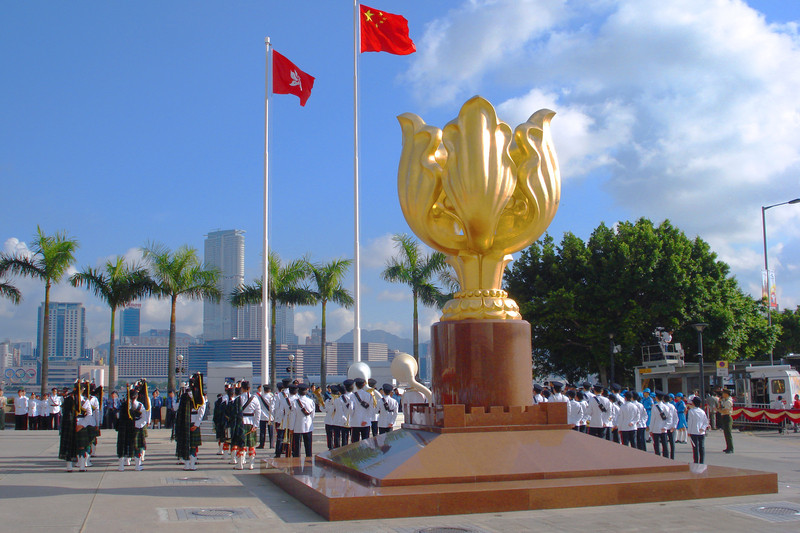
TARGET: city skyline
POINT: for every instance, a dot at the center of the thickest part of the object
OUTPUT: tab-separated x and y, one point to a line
683	110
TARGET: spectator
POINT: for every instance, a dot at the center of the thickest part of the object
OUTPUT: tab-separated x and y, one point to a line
779	405
155	405
712	409
172	407
697	421
113	410
795	405
3	402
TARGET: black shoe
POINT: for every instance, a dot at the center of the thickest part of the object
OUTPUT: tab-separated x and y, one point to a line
728	451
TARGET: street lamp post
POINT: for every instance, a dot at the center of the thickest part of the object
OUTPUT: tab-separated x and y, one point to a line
700	327
291	367
179	370
766	263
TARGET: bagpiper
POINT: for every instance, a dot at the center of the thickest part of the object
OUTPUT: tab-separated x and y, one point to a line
68	449
244	434
133	417
191	409
83	435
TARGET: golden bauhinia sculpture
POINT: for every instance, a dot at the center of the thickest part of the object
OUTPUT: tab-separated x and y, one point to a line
477	192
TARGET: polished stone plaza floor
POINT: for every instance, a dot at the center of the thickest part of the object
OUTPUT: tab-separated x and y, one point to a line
37	495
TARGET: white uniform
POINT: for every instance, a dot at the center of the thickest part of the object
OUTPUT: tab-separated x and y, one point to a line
55	404
21	405
659	424
144	420
387	412
642	423
362	416
574	413
628	417
538	398
673	415
33	408
697	421
558	397
197	414
342	406
303	423
252	413
328	408
96	413
86	405
599	411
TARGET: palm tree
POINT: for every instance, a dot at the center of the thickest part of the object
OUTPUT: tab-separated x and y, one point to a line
9	291
51	256
176	274
415	269
118	284
284	288
327	279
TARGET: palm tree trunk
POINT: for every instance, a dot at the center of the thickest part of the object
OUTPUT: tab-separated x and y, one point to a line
415	333
171	354
273	365
323	361
112	369
45	337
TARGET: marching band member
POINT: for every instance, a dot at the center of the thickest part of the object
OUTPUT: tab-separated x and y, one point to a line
283	407
327	406
97	414
387	410
67	449
83	436
191	409
266	415
376	396
342	407
55	409
303	421
244	436
362	412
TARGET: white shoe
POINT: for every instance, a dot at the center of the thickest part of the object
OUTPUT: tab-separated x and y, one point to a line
88	461
239	461
69	466
121	464
252	461
127	461
82	463
139	466
193	462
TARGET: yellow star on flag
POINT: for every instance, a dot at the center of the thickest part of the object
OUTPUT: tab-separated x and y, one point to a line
368	15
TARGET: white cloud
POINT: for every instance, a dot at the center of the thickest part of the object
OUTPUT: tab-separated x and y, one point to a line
339	322
304	321
377	252
689	106
394	296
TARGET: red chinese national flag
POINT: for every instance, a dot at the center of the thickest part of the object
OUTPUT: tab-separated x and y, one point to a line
288	79
385	32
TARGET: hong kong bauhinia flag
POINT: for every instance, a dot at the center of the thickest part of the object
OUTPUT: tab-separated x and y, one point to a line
384	32
288	79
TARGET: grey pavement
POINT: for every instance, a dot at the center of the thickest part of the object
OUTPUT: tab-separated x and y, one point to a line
36	494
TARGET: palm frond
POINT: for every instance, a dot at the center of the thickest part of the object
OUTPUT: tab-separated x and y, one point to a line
7	290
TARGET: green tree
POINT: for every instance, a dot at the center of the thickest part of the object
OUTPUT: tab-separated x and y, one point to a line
415	269
327	278
51	257
789	338
117	284
627	280
285	287
179	274
9	291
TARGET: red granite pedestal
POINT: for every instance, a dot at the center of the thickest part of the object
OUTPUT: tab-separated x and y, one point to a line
478	451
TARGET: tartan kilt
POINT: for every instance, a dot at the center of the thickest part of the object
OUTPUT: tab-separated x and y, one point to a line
195	438
250	436
83	440
138	440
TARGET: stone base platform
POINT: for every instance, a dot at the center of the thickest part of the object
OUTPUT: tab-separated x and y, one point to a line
420	473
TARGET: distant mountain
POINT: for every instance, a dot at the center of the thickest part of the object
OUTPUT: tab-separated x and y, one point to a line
392	341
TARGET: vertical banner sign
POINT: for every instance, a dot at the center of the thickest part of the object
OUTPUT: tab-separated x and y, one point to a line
722	368
773	295
764	286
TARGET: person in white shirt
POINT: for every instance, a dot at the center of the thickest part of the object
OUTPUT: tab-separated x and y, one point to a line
659	424
266	416
327	407
599	412
641	426
537	394
387	410
376	396
669	404
303	421
21	411
612	418
580	397
779	404
362	412
55	409
628	421
342	406
33	412
697	424
557	396
46	413
282	410
244	436
574	411
83	433
3	402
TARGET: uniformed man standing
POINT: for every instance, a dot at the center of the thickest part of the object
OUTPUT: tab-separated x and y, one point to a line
574	411
362	412
344	410
628	421
557	396
67	449
599	412
376	396
659	421
537	394
245	434
55	409
83	436
282	408
726	419
303	421
191	408
387	410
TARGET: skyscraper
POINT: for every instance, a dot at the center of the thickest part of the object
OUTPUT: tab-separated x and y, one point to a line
223	250
129	321
67	330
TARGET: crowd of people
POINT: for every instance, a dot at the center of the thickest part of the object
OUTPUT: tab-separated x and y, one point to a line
636	418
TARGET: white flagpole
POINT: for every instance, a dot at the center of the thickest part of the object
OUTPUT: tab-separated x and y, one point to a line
265	272
357	261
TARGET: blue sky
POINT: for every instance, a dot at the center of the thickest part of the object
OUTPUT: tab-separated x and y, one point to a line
128	122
